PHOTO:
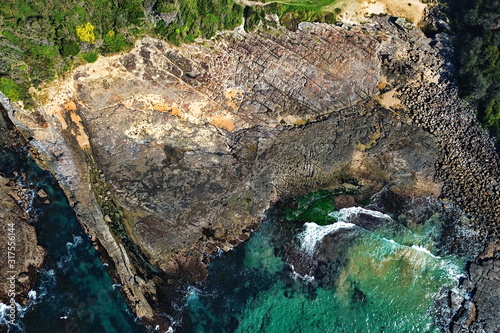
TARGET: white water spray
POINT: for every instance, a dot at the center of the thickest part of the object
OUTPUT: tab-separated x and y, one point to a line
314	233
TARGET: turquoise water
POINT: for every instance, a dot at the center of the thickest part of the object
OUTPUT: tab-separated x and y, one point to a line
386	280
74	292
381	280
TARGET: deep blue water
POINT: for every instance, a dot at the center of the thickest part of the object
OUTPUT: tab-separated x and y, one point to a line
74	292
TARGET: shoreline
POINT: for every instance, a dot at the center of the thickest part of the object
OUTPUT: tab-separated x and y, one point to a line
430	105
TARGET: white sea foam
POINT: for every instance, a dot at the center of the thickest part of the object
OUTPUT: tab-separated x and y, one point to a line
314	233
390	241
32	294
346	214
77	240
420	253
63	262
414	247
49	273
306	278
423	249
193	293
10	316
3	312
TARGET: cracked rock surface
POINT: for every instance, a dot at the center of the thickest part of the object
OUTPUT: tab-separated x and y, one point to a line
168	153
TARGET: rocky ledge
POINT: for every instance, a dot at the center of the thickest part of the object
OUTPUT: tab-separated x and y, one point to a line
168	153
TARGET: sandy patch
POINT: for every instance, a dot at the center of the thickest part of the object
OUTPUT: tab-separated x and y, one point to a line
170	109
232	95
223	122
389	100
196	108
292	120
80	135
70	106
383	83
355	12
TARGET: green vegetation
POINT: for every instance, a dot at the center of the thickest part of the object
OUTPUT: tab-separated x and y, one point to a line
197	18
90	57
292	12
477	24
40	39
10	88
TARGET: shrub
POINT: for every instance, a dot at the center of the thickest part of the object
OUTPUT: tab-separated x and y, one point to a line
114	42
10	88
70	49
90	57
86	33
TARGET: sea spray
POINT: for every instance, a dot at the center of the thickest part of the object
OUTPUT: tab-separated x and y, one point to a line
423	249
314	233
347	214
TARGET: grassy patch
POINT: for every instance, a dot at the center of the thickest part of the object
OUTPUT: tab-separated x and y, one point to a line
291	13
198	18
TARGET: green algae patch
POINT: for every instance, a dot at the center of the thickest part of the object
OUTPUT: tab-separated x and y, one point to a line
313	207
317	206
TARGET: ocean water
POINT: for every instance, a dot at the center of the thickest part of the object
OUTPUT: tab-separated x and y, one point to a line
382	279
386	280
74	293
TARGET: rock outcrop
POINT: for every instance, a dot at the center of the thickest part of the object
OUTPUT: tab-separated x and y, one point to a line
168	153
22	254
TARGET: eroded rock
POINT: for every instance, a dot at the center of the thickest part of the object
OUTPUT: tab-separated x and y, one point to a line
185	147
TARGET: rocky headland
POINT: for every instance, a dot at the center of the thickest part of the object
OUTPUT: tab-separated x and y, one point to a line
169	153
